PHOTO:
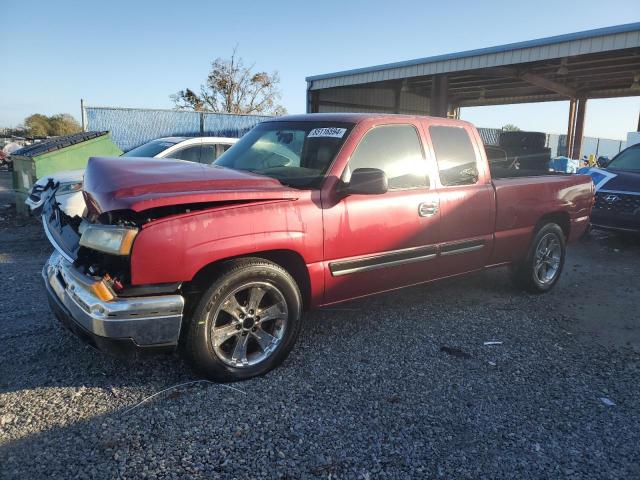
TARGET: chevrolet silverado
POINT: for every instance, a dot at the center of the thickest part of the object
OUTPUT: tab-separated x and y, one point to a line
221	261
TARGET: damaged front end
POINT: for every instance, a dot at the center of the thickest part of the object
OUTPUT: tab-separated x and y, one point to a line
88	281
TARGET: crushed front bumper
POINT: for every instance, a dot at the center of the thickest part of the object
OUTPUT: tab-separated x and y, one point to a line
119	325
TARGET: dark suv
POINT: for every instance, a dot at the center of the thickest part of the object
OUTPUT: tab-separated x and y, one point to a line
617	204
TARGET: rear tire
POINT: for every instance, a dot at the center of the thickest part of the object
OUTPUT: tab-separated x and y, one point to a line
542	267
246	323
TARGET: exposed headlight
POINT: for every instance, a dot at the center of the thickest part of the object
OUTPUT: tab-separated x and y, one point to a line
109	238
70	187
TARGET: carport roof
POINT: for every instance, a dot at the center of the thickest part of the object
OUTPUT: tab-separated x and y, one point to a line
606	48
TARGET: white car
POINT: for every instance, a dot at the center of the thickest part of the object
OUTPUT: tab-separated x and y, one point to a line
69	183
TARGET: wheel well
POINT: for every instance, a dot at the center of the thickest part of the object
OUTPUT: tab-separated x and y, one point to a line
291	261
561	218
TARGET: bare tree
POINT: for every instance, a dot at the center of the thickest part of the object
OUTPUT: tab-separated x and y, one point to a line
232	87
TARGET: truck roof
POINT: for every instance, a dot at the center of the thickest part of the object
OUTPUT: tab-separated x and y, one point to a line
355	117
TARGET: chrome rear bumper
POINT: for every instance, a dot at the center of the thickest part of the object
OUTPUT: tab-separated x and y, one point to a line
147	321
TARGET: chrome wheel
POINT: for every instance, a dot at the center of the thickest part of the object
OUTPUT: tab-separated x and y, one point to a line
547	259
249	324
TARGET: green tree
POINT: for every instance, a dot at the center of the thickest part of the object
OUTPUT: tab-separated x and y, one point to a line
232	87
510	127
37	125
63	124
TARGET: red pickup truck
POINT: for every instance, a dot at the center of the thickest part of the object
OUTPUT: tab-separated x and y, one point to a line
304	211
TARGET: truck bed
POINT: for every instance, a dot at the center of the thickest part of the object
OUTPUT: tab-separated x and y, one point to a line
521	202
502	172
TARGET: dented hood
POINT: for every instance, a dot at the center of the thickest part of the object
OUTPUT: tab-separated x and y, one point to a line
142	183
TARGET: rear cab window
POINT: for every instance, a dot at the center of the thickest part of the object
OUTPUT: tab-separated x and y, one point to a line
395	149
455	155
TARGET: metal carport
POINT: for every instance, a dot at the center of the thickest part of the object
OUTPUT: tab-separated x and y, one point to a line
600	63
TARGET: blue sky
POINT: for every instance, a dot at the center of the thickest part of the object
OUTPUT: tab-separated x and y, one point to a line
136	53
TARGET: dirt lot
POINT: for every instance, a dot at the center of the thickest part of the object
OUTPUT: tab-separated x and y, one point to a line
396	386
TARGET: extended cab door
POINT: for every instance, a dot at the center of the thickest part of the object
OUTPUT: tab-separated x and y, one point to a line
380	242
467	198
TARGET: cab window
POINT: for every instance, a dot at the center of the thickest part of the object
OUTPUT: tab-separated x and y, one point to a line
208	153
628	159
191	154
394	149
211	151
455	155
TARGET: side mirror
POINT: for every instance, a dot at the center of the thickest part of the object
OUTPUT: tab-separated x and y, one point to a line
366	181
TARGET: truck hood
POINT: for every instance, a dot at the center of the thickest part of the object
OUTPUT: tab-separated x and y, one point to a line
623	181
139	184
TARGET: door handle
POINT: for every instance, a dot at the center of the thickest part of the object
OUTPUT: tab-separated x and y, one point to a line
428	209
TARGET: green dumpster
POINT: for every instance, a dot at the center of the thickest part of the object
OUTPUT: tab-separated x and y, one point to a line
53	155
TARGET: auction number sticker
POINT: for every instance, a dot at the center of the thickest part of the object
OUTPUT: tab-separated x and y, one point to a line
327	132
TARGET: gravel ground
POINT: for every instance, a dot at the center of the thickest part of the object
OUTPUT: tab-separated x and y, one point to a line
396	386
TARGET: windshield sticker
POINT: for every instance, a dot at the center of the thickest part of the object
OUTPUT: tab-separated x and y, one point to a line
327	132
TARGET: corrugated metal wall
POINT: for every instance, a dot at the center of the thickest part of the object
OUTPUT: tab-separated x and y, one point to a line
580	43
372	99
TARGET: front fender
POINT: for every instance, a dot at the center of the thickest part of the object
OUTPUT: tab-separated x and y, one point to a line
174	249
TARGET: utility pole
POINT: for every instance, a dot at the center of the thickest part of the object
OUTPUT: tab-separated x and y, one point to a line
82	115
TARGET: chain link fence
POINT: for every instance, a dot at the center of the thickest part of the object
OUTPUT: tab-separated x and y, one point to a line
131	127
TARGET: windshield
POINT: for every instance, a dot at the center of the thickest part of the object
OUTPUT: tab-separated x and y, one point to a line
628	159
150	149
296	153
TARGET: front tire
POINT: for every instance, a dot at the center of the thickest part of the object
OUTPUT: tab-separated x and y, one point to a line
246	323
542	267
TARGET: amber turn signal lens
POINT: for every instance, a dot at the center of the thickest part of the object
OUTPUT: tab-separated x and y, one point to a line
127	242
100	290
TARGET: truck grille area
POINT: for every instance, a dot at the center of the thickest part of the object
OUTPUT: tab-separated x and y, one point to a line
618	203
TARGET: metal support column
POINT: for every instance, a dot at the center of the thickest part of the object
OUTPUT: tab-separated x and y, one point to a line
579	130
571	126
439	103
397	92
312	99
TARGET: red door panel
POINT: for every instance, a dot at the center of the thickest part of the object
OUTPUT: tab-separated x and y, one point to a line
375	243
466	227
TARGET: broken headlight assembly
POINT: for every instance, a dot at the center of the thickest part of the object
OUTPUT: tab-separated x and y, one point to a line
110	239
71	187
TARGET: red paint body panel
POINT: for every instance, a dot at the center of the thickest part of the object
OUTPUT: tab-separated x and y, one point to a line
328	231
174	249
359	226
522	202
